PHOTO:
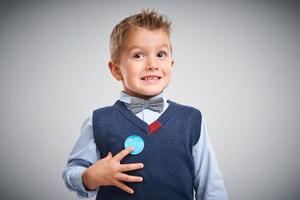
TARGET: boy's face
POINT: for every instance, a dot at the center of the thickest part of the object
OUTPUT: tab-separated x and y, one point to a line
145	63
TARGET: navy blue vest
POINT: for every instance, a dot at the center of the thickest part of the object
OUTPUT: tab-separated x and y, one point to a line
168	171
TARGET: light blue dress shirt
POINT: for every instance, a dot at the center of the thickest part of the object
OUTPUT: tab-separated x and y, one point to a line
208	183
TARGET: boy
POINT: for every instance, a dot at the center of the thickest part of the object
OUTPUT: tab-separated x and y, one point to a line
144	146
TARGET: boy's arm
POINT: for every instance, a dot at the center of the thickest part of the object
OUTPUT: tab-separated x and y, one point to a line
208	183
83	155
86	170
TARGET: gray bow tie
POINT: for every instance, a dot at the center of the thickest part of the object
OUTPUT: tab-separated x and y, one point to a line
137	105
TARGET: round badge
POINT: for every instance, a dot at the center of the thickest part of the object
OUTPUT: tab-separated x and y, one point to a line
134	141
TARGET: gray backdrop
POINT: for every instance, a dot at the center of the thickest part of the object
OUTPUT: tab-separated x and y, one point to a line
236	61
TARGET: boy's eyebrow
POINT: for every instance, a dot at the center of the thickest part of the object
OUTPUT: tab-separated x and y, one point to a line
165	45
140	47
134	47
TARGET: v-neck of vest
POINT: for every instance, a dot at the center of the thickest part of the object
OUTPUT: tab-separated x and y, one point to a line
154	126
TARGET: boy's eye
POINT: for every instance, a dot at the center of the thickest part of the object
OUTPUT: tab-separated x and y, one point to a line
162	54
138	55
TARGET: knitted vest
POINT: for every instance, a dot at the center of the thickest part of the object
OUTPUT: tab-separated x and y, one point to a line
168	171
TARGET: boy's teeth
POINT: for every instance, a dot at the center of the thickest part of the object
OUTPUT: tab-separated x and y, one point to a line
150	78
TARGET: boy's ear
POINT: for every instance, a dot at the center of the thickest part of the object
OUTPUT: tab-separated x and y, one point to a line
115	71
172	63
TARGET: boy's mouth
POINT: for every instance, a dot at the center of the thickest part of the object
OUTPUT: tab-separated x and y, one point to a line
151	78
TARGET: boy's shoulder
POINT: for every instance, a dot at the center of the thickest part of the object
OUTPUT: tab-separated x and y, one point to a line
185	108
105	109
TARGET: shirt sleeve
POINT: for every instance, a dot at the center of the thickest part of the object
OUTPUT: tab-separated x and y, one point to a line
83	155
208	182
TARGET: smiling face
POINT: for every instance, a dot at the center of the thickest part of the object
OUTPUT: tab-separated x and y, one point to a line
145	64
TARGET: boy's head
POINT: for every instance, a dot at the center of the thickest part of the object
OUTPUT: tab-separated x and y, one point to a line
147	19
141	53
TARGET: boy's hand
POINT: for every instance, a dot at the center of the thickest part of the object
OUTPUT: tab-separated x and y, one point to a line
109	171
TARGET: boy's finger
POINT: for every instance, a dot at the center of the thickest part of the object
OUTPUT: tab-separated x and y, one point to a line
122	154
109	155
124	187
128	178
130	167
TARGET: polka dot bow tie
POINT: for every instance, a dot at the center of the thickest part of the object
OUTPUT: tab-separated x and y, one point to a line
137	105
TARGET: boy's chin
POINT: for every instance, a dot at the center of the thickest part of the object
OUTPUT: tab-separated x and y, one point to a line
147	95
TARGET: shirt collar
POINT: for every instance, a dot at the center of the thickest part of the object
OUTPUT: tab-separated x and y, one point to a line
126	98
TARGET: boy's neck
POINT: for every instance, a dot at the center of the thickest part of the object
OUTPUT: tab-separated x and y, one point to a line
144	97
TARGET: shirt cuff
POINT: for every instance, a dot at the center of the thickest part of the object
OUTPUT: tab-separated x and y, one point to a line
78	183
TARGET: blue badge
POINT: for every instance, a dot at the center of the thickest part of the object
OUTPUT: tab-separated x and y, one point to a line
134	141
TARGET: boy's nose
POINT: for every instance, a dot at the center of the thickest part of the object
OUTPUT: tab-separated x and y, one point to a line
151	67
152	64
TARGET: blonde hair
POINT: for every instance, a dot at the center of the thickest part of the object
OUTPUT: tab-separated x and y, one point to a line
147	18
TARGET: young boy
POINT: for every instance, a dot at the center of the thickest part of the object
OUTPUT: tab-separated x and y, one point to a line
144	147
